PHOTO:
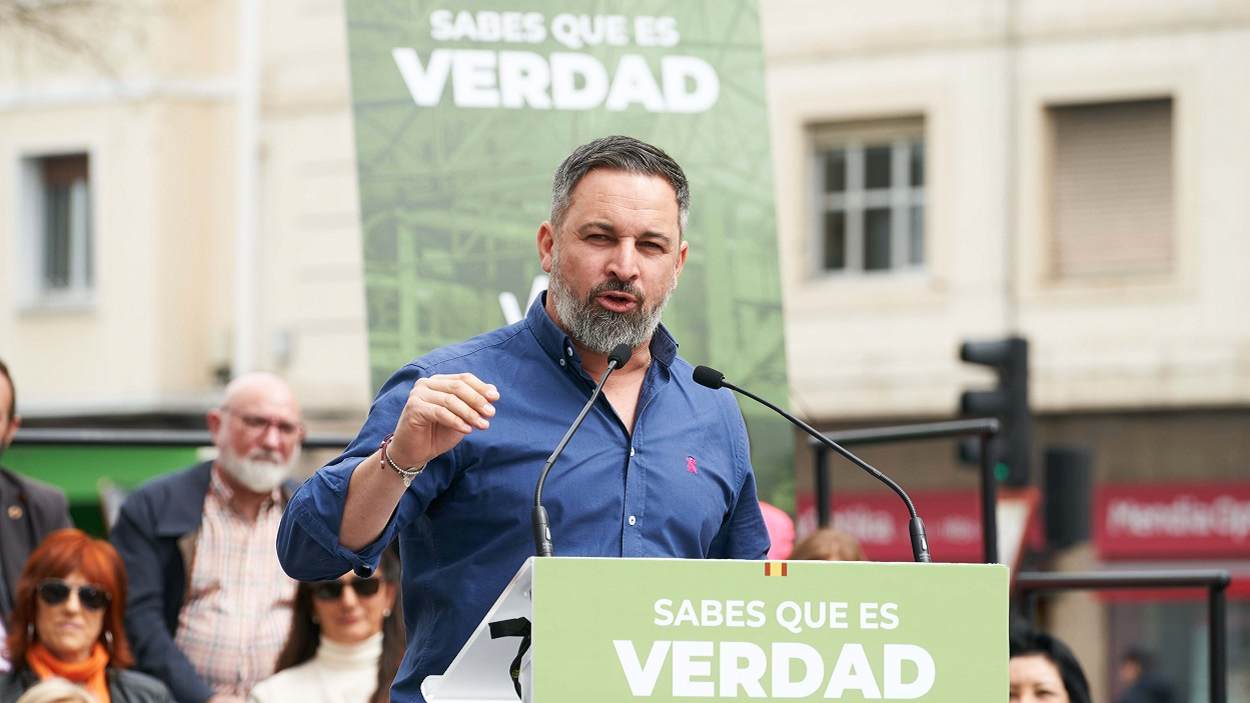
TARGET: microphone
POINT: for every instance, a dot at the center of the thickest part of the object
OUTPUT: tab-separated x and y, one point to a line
542	526
705	376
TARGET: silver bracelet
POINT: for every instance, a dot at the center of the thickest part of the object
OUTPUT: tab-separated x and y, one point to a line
406	474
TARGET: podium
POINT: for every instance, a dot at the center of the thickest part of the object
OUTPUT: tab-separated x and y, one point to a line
679	629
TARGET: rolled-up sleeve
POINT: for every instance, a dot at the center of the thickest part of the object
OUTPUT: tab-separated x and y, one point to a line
308	537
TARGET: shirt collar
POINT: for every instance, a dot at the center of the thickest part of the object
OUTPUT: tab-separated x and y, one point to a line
559	345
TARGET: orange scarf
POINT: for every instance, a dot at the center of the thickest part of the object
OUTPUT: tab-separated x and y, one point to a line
88	673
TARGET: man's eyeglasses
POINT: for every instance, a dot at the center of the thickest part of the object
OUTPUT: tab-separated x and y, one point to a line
56	592
333	590
260	424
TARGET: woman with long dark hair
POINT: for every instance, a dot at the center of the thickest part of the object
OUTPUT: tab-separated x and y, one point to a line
347	640
1043	670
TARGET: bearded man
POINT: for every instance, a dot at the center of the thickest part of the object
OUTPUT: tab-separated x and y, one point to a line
209	607
455	440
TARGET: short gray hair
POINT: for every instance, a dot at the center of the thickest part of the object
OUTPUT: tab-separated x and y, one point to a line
621	154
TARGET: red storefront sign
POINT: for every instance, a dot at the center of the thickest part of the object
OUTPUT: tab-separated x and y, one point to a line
879	521
1173	521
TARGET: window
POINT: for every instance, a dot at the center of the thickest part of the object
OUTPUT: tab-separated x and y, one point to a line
57	204
1111	195
869	183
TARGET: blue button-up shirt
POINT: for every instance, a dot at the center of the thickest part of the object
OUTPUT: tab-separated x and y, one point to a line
680	485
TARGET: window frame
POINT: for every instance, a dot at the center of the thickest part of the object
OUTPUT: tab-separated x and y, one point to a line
855	200
35	294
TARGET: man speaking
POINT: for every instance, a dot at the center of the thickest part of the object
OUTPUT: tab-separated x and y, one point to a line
449	456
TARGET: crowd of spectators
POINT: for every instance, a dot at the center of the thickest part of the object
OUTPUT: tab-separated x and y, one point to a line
187	601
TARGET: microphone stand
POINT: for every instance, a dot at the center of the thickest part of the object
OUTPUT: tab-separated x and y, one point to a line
712	378
538	516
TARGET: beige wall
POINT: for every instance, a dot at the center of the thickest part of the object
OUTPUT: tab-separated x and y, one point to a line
859	347
313	293
154	104
117	351
882	346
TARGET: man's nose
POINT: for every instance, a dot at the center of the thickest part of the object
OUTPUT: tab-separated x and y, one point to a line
271	438
624	262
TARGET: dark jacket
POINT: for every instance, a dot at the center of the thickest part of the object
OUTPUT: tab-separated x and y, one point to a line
29	510
124	686
155	534
1149	688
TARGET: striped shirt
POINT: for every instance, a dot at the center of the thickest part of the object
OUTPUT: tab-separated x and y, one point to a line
238	607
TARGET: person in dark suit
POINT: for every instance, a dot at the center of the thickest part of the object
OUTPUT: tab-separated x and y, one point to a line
29	509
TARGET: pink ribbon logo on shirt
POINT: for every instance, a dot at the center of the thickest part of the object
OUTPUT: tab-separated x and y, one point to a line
691	466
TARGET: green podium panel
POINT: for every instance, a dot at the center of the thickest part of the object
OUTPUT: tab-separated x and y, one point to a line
678	630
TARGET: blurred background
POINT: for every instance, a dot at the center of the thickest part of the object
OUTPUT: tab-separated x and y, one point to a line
178	204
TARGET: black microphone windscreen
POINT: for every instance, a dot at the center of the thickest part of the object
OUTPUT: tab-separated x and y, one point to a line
620	354
710	377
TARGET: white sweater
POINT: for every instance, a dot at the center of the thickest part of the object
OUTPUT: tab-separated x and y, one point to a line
339	673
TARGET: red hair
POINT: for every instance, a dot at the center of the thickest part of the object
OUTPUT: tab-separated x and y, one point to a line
61	553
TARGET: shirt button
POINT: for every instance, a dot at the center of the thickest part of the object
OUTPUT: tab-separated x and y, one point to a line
568	351
632	520
631	453
562	362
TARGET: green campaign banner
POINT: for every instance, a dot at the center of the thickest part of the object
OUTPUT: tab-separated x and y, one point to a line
676	630
463	109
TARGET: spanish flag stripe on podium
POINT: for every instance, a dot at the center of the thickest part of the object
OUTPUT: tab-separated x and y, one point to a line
776	568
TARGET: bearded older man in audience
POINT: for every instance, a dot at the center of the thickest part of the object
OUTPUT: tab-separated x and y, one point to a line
209	606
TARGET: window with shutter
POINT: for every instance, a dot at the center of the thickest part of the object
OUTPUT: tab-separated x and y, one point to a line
1112	188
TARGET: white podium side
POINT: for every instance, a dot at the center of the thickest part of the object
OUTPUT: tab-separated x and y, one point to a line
479	673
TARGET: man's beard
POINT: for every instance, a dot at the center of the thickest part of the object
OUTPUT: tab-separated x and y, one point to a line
597	328
260	472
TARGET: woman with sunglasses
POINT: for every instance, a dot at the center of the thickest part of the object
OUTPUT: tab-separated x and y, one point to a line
67	623
347	640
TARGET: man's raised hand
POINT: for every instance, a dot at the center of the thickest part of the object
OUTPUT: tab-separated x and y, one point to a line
440	411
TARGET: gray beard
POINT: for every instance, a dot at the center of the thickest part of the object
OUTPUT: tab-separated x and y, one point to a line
596	328
258	475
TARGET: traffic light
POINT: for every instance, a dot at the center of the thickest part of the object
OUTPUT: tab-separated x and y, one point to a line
1008	401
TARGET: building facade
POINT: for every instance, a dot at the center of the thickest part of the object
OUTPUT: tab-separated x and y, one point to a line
179	204
176	190
1071	173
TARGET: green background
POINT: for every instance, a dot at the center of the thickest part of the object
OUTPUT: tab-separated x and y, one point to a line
451	198
78	470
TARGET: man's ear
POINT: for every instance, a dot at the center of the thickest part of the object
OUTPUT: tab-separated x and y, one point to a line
214	420
546	245
682	251
14	424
